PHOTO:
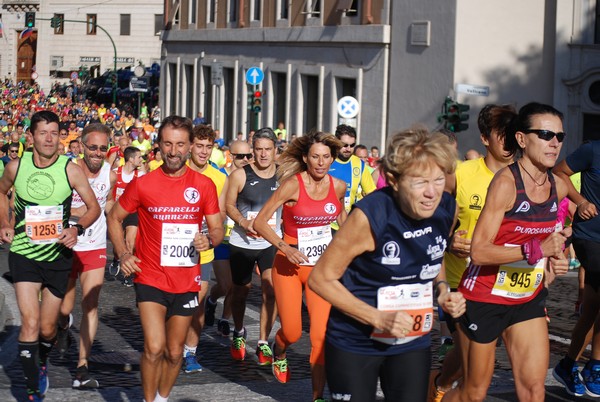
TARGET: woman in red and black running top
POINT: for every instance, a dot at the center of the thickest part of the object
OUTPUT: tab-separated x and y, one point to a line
515	252
311	200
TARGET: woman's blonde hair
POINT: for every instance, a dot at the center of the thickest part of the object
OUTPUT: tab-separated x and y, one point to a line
291	160
416	147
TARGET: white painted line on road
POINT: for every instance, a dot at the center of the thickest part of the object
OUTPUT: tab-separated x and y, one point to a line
564	341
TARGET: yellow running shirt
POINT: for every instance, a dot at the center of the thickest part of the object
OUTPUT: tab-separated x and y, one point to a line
472	181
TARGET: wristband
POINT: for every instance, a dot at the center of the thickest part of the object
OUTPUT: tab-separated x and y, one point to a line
210	243
533	251
124	254
581	203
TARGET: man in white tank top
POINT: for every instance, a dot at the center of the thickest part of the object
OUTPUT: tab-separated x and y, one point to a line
89	255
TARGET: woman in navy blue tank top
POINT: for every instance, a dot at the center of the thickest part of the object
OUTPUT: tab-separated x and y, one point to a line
379	273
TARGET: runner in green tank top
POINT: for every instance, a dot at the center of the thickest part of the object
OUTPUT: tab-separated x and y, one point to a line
41	240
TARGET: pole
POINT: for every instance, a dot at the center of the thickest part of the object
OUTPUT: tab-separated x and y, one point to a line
115	83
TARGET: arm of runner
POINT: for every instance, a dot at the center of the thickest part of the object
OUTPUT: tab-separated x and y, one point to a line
81	184
7	226
366	181
236	184
460	246
116	234
110	201
585	209
340	191
216	231
352	240
287	192
222	200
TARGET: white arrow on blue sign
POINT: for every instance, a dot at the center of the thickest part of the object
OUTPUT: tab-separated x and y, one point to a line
347	107
254	75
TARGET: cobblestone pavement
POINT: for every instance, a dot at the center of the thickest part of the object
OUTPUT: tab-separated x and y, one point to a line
115	355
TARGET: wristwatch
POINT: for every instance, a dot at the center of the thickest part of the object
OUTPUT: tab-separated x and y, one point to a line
80	229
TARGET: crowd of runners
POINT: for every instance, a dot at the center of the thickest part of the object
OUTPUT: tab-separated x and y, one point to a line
369	244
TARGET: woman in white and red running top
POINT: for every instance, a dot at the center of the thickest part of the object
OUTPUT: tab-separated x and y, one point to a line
515	252
311	200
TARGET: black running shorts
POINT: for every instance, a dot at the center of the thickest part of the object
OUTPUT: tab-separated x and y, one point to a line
52	275
485	322
183	304
242	262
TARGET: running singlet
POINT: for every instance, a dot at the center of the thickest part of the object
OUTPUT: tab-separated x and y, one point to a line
518	282
472	181
308	222
219	179
397	275
168	222
250	201
94	237
121	183
42	209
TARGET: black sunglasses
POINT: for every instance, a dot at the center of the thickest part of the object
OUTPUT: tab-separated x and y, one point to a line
349	145
242	156
547	135
94	148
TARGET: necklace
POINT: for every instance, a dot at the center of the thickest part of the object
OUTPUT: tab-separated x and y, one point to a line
534	180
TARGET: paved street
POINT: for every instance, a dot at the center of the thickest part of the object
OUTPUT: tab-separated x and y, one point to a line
115	356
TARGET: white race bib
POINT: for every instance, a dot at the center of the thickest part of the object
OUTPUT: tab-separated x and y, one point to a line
312	242
415	299
177	245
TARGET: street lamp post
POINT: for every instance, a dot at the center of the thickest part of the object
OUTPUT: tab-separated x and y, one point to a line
115	83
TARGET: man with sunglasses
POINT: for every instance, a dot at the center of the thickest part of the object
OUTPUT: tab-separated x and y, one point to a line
89	255
586	242
12	152
351	169
249	189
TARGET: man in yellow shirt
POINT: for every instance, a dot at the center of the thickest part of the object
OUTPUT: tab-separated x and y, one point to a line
204	139
351	169
469	186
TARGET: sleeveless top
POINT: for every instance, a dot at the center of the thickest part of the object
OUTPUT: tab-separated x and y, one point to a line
120	184
518	282
42	209
308	212
407	258
94	237
250	200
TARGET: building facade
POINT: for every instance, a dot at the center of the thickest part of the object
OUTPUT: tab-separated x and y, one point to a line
398	59
85	35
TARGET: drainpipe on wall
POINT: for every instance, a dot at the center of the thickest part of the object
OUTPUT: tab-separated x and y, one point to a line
241	21
368	15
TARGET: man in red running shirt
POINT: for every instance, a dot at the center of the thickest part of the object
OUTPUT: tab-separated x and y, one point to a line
166	260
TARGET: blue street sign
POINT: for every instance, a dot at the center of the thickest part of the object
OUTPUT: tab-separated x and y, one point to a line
254	75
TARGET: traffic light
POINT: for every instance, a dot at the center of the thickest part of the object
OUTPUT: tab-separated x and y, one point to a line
257	102
250	100
56	23
453	114
29	19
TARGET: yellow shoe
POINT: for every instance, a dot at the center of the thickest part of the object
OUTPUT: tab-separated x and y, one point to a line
435	394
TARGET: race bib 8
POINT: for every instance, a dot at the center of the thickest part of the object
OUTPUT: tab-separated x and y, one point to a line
415	299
